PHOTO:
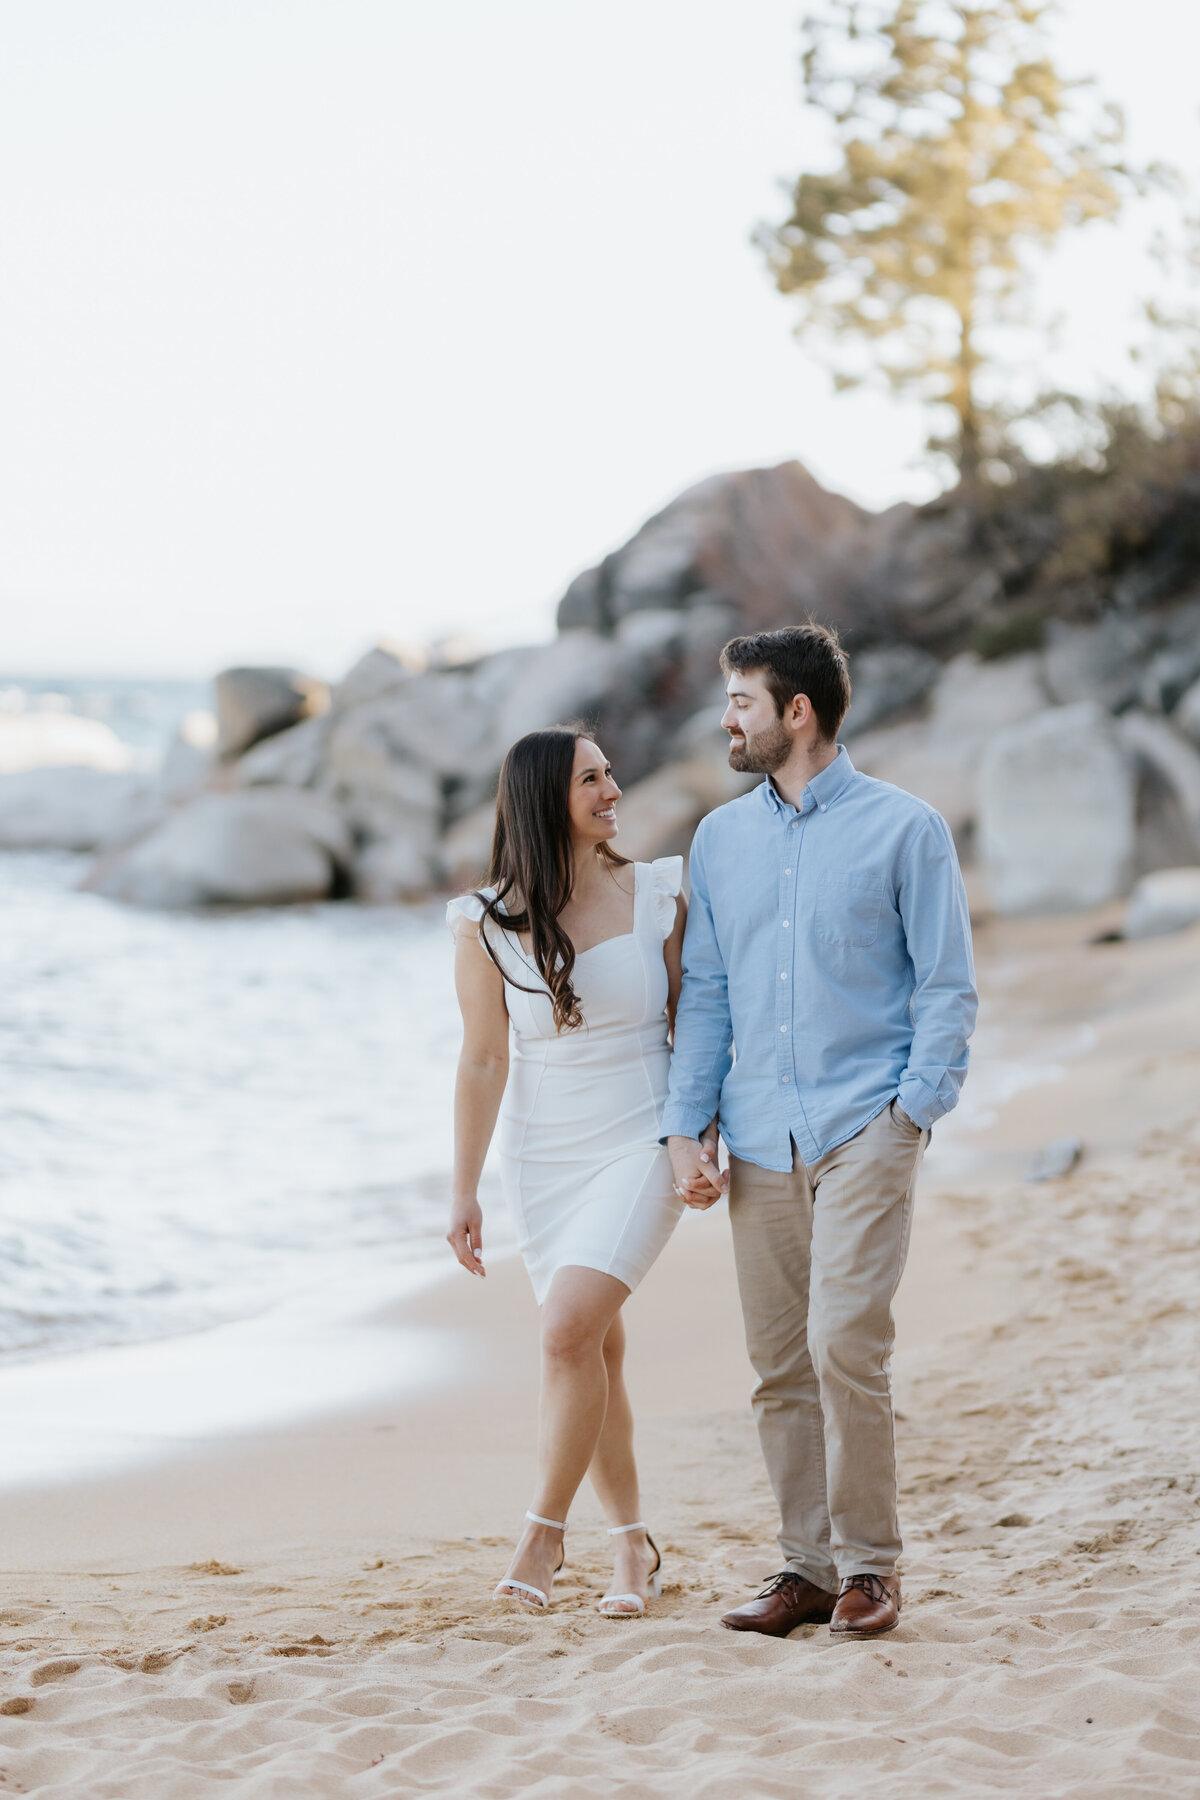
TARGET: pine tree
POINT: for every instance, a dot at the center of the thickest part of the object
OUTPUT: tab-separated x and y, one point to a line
962	150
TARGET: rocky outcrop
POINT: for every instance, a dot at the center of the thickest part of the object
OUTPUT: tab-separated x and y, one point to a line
1186	717
938	756
1167	769
1056	813
1168	900
892	679
257	847
406	753
253	703
65	808
772	544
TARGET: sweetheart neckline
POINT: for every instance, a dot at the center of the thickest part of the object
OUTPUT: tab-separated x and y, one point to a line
617	938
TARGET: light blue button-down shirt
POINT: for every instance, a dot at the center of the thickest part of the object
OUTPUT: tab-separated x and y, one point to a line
831	946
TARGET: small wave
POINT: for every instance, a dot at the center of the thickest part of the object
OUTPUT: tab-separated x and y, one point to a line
201	1116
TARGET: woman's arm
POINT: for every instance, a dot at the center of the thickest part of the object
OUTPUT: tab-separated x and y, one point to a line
482	1073
673	956
711	1183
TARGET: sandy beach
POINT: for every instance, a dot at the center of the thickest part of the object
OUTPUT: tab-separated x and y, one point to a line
305	1612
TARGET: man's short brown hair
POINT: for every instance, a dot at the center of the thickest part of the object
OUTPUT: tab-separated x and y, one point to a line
800	659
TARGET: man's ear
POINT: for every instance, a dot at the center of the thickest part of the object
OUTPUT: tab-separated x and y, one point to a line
800	712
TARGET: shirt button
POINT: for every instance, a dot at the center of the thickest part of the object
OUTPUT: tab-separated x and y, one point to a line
783	975
785	924
787	871
787	1078
822	806
795	822
783	1028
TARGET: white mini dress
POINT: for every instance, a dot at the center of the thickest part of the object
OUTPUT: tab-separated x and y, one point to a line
586	1180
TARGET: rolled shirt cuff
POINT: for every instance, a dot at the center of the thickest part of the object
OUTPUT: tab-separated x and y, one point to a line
918	1100
681	1120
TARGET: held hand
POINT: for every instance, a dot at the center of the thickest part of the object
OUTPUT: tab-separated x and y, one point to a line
465	1236
698	1182
709	1148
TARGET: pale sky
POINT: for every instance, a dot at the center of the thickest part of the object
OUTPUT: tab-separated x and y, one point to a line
327	320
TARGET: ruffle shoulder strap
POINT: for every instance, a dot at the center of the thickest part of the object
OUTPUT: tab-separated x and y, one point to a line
467	906
666	879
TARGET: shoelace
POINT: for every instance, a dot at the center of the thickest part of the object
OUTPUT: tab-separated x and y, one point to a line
786	1578
871	1585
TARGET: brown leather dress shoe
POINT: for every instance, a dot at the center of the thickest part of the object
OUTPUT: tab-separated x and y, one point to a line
787	1601
866	1605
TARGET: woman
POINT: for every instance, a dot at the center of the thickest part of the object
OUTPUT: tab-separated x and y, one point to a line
578	951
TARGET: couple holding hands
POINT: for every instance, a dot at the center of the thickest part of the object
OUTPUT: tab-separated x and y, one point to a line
816	999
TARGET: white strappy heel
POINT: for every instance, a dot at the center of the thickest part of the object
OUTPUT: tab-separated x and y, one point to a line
631	1606
524	1591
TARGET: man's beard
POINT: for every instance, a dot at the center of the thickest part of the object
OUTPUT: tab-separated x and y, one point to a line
763	753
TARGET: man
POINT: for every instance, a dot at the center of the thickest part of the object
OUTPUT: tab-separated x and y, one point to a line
828	942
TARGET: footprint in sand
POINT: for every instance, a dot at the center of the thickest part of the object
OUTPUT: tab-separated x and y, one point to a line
55	1671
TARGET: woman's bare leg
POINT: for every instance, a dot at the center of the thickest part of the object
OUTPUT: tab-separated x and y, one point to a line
576	1317
614	1472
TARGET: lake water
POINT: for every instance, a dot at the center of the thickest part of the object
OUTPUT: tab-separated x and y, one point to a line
202	1117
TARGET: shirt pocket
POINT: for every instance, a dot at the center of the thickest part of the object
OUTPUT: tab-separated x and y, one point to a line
847	910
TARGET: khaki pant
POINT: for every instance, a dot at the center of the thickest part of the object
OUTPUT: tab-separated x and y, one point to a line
819	1255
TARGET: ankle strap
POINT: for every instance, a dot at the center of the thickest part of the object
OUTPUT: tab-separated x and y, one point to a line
554	1524
618	1530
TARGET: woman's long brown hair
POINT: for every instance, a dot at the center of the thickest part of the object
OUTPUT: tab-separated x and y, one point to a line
532	864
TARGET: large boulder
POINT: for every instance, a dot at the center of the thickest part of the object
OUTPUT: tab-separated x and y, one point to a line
383	791
1103	662
1168	801
39	740
1168	900
1186	717
190	758
1168	675
381	671
1056	813
465	850
938	770
894	678
290	758
64	808
772	543
432	720
260	846
401	867
938	757
1175	664
920	573
388	758
557	681
254	703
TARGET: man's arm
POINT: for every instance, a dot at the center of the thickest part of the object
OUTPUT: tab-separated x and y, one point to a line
703	1049
937	925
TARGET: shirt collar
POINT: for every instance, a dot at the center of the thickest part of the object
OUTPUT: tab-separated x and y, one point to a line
821	791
